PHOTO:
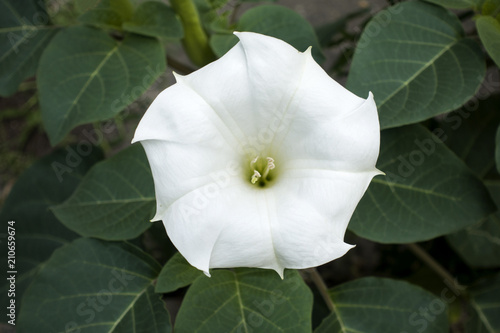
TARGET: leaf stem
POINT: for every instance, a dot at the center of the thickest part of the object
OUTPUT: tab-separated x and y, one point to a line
195	40
433	264
322	288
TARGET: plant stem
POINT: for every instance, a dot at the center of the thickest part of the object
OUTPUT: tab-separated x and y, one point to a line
195	40
322	288
433	264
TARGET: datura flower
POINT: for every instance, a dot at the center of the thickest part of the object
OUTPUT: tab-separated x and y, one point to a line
259	158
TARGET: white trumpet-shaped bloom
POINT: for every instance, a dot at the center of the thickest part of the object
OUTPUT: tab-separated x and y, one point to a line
259	158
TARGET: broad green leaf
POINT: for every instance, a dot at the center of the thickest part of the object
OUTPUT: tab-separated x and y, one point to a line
177	273
104	18
37	232
486	301
275	21
24	34
457	4
383	305
470	131
115	200
92	286
85	75
416	61
107	14
479	244
155	19
428	191
246	300
489	31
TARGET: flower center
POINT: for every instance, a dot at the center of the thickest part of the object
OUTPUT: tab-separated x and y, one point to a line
261	170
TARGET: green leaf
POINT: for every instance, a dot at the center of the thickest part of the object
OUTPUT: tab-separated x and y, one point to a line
37	231
457	4
479	245
275	21
103	18
416	61
486	301
177	273
24	34
115	200
383	305
155	19
428	191
489	31
85	75
108	14
246	300
94	286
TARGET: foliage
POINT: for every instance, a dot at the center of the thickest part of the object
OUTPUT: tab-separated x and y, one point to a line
84	260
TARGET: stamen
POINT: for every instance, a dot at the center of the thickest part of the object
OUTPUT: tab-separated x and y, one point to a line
255	177
270	163
270	166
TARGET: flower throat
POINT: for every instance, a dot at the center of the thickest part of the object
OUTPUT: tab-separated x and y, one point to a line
261	171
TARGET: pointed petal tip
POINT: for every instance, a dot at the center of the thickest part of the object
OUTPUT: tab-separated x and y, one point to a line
207	273
281	272
178	77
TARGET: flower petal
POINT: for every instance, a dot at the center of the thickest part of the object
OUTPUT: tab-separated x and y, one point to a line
213	230
250	85
181	169
328	126
312	211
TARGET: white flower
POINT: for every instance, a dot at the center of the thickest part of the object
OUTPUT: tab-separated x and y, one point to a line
259	159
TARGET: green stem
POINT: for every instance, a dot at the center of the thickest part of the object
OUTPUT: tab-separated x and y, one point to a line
322	288
195	40
433	264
